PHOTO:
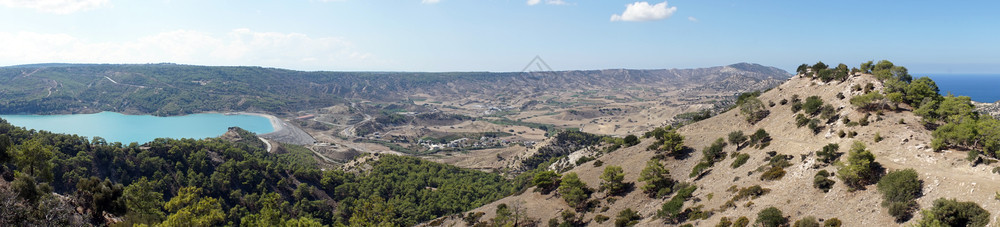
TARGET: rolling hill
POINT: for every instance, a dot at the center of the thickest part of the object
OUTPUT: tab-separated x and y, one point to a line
898	140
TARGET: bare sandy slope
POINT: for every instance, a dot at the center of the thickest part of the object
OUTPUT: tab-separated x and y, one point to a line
945	174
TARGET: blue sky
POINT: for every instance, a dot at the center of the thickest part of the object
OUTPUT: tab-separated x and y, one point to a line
493	35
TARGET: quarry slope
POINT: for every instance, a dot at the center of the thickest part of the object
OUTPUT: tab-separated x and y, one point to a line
905	144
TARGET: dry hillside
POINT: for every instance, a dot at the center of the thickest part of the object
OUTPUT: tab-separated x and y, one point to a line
905	145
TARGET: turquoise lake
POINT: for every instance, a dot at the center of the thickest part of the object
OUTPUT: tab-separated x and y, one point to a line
116	127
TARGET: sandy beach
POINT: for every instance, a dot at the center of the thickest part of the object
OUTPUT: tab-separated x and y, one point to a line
283	132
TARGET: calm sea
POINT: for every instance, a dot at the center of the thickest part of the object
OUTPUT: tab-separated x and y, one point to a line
980	87
116	127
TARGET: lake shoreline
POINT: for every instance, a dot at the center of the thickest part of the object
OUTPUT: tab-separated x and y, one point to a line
141	128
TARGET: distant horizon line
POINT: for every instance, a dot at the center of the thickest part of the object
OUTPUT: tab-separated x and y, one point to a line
60	64
790	72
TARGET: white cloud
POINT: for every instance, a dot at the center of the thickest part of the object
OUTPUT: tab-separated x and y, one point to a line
692	19
55	6
237	47
643	11
547	2
429	1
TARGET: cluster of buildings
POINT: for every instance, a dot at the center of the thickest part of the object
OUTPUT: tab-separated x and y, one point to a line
470	143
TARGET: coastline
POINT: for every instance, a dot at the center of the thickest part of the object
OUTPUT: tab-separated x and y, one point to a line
276	123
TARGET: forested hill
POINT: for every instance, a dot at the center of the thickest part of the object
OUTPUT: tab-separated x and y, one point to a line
66	180
171	89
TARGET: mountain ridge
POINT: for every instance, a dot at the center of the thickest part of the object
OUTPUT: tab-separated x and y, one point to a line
171	89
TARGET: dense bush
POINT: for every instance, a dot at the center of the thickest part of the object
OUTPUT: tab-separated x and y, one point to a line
574	191
900	189
860	169
771	217
829	153
812	105
671	210
737	139
546	181
611	180
760	139
714	152
667	141
752	109
657	178
822	181
954	213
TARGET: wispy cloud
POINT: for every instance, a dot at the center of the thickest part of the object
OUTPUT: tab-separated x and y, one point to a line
643	11
429	1
692	19
547	2
237	47
56	6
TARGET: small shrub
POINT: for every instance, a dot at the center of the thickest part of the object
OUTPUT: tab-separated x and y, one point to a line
841	134
724	222
808	221
780	160
864	120
740	160
796	107
814	126
840	95
833	222
627	217
598	163
743	221
801	120
751	192
852	134
902	121
878	137
600	218
699	169
783	102
775	173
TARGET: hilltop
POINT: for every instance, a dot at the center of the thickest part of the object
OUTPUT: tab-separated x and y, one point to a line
778	170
